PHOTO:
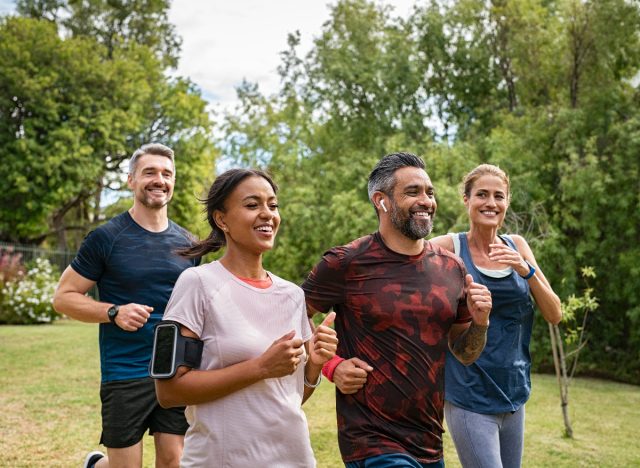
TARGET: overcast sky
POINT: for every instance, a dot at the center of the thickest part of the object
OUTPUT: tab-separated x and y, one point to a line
227	41
224	41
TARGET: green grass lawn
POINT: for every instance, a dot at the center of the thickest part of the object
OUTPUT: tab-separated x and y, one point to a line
49	382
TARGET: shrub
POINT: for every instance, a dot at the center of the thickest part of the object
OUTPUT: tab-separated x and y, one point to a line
11	267
26	298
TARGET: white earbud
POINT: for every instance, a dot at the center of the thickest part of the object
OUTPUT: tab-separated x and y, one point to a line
384	208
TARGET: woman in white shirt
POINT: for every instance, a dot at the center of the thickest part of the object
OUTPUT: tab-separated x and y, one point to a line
261	360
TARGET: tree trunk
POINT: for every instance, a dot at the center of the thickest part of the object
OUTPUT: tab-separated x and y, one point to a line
59	228
560	365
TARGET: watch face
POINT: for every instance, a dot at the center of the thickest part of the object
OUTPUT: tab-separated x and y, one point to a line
112	312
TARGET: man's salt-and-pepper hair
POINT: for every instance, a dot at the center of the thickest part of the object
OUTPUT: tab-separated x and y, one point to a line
155	149
382	177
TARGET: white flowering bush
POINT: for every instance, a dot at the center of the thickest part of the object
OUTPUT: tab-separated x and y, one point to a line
26	299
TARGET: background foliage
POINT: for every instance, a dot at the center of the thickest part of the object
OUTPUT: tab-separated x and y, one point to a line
26	298
82	85
547	89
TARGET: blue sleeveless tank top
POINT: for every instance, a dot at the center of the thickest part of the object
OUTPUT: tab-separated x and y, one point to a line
499	381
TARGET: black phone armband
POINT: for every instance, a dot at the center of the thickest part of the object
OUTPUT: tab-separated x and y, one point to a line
171	349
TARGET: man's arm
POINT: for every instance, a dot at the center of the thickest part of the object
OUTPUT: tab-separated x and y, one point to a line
467	340
70	299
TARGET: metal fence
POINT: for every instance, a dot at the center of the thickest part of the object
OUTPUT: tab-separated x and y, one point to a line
59	258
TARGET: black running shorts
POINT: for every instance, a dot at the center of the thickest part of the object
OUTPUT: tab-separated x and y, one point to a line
130	407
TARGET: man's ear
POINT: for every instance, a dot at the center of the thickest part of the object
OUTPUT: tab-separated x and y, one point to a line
379	200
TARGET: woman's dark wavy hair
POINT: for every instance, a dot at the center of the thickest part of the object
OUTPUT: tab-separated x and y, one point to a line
220	190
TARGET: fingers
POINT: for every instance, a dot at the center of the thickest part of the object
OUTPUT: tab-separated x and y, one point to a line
132	317
476	290
286	337
325	341
482	302
329	319
468	280
359	363
504	254
351	375
351	388
479	302
479	293
283	357
322	352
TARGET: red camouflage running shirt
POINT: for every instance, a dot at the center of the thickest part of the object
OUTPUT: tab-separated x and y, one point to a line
394	312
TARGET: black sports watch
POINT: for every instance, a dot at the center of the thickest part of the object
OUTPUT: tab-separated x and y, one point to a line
112	313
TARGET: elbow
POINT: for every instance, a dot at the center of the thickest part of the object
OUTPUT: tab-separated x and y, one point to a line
466	358
165	397
557	318
57	303
167	403
466	361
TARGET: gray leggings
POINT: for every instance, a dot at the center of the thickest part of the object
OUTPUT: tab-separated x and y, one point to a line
486	440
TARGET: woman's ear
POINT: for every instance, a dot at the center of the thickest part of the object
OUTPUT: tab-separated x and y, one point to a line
218	219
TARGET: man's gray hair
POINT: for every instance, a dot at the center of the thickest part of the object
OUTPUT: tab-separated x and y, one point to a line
155	149
382	177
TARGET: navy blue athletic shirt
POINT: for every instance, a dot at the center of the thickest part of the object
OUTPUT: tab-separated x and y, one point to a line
131	264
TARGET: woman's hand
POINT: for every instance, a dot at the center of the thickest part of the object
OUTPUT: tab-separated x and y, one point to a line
324	341
504	254
282	357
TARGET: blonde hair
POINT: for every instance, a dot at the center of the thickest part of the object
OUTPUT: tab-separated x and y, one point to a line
483	170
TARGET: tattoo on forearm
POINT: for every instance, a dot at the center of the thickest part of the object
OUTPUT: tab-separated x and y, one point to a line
470	344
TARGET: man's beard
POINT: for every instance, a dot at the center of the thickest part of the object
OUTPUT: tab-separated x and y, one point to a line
151	203
412	228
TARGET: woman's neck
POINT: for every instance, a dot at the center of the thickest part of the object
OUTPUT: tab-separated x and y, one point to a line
244	264
479	239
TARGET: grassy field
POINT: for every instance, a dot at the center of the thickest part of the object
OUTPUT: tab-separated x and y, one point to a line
49	380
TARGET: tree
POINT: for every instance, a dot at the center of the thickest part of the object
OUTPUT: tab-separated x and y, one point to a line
541	88
566	362
114	24
75	106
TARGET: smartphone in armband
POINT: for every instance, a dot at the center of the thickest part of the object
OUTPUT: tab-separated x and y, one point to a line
171	350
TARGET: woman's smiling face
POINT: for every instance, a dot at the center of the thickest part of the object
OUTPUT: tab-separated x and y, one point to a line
487	202
251	218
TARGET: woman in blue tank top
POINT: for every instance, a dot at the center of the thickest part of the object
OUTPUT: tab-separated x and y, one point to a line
484	406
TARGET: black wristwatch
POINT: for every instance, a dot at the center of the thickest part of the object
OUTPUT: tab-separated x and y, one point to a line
112	313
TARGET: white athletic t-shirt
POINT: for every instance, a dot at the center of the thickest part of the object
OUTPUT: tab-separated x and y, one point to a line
260	425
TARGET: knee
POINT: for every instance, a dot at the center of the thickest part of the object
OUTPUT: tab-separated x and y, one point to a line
167	459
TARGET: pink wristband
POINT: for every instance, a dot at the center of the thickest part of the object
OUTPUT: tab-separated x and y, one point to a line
330	366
